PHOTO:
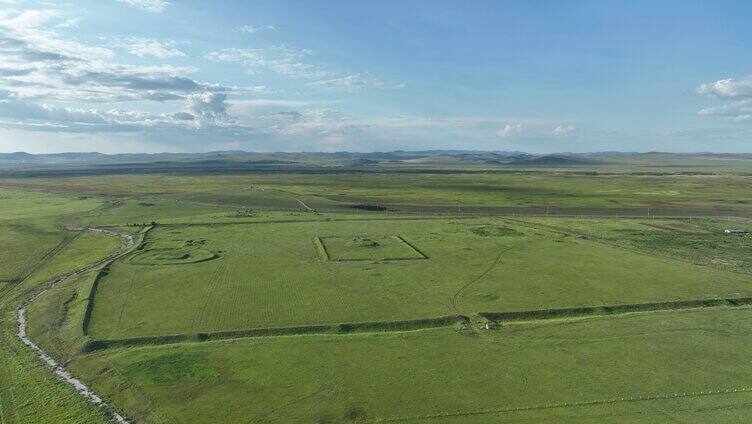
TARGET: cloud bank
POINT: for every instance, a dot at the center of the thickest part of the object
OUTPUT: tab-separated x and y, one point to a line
737	92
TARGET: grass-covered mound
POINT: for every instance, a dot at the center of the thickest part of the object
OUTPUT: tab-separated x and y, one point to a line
171	256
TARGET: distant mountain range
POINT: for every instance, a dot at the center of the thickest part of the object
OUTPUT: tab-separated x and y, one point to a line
425	157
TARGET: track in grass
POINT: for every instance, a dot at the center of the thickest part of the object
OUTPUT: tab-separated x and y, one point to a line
455	298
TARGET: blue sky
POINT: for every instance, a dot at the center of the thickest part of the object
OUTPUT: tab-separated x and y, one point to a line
535	76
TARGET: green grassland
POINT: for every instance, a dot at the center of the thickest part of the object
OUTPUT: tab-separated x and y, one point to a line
330	191
434	372
368	248
144	211
18	204
700	241
28	391
326	313
272	275
172	256
78	252
28	232
23	247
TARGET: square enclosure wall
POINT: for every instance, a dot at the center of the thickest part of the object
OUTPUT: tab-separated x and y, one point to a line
367	248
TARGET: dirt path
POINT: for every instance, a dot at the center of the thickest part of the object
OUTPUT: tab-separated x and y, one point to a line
305	207
57	368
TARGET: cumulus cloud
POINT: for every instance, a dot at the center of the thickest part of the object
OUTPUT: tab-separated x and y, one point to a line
148	47
37	62
508	130
564	130
737	91
20	110
729	88
51	82
207	108
154	6
201	110
31	18
41	72
46	117
740	110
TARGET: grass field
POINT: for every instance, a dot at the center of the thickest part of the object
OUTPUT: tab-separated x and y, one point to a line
28	391
23	247
368	248
271	275
700	241
270	298
436	372
336	191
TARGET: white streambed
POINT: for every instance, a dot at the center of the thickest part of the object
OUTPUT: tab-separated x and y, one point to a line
57	369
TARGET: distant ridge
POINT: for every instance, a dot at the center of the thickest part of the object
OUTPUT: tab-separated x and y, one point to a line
235	158
555	160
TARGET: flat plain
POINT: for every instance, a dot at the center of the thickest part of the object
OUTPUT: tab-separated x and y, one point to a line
413	297
270	275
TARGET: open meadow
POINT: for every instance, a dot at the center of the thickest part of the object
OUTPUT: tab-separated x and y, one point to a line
360	212
208	278
289	298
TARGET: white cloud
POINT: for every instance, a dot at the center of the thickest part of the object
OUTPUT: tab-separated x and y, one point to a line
278	59
26	35
51	82
353	83
207	108
292	63
250	29
728	88
42	72
68	23
738	91
201	111
740	110
37	62
311	126
46	117
31	18
148	47
154	6
564	130
255	104
508	130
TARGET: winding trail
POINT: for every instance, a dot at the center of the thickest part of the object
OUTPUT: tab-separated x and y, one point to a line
57	368
455	299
